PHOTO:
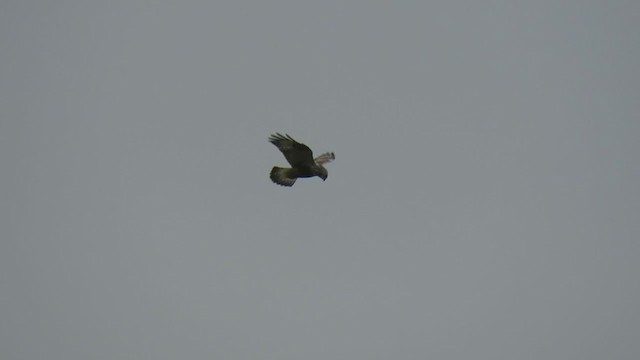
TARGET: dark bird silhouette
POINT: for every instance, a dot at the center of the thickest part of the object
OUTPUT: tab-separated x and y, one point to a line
301	159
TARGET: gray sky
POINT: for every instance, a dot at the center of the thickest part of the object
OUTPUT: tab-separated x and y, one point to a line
484	203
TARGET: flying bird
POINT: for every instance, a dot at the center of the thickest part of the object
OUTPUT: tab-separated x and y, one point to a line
301	159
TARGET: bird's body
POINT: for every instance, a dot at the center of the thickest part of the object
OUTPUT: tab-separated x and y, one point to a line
303	165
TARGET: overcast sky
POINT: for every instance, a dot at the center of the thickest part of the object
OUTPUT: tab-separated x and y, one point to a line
484	202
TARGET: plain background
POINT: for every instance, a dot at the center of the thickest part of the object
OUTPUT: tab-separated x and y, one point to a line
484	203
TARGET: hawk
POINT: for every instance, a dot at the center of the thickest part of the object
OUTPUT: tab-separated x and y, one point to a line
301	159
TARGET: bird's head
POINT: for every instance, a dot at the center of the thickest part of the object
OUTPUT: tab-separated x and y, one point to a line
322	172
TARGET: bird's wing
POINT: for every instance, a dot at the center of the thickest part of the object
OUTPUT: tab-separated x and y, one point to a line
282	176
297	154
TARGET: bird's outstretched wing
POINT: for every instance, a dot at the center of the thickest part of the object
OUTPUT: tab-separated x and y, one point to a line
297	154
282	176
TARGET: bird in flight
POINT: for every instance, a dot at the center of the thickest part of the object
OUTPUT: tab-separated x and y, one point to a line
301	159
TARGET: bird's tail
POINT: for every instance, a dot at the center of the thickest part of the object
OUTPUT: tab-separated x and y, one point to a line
281	176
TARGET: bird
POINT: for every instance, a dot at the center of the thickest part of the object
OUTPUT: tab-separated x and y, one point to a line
300	157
